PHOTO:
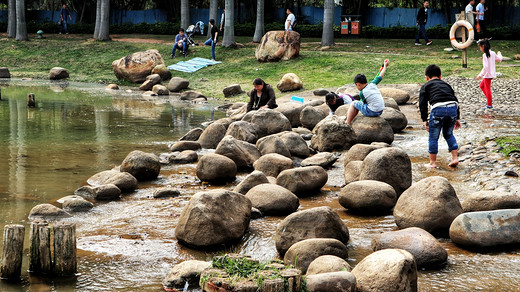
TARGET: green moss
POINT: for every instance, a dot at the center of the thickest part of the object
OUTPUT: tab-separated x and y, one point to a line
508	144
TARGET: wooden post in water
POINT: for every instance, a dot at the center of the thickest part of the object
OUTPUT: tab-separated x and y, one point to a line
464	53
12	252
40	249
65	249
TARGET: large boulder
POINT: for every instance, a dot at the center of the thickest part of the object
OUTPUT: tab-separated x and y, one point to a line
273	144
270	122
323	159
47	212
390	165
289	82
400	96
353	171
310	116
212	218
319	222
358	152
342	110
295	143
192	95
490	200
143	166
487	229
150	81
4	72
75	204
341	281
184	157
250	181
160	89
368	197
303	181
291	110
278	45
390	102
438	203
192	135
162	71
244	154
177	84
244	131
272	164
231	90
333	133
108	192
185	145
137	66
327	264
216	168
372	129
387	270
302	253
212	135
123	180
425	248
58	73
166	192
273	199
395	118
185	272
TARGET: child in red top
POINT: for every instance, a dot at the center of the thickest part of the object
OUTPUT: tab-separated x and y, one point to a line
488	72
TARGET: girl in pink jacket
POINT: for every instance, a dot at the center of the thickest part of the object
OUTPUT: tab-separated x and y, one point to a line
488	72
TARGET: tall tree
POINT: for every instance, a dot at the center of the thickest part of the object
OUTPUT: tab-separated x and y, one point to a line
229	25
98	19
327	37
104	23
259	30
213	14
11	19
185	14
21	26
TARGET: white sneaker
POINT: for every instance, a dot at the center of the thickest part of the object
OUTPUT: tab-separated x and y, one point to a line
418	44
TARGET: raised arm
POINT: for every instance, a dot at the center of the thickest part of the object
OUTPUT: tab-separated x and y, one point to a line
385	64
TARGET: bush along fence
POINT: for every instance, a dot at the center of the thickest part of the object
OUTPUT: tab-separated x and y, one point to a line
61	262
248	29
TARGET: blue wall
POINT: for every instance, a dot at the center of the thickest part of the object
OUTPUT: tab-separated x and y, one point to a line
381	17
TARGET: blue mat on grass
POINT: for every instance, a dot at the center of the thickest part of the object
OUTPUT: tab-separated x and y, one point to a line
192	65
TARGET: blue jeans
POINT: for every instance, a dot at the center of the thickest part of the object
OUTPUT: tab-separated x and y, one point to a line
442	118
211	42
363	108
64	27
422	30
176	47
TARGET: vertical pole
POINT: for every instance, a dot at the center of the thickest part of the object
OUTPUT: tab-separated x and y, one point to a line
464	53
12	252
65	249
0	93
40	249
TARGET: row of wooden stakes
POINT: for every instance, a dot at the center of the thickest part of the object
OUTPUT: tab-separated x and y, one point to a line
60	239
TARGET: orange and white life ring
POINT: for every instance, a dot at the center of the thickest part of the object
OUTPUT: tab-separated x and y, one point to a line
471	34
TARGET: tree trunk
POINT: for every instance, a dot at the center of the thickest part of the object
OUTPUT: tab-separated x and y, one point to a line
185	14
259	31
11	22
83	12
229	26
98	19
213	14
327	38
21	26
104	23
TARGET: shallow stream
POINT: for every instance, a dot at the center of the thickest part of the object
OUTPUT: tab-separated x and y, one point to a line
77	130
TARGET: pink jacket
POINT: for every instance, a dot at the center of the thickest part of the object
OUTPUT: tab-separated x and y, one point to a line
489	70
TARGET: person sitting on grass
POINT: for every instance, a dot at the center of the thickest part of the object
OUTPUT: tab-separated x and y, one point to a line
180	43
371	103
261	96
444	115
334	100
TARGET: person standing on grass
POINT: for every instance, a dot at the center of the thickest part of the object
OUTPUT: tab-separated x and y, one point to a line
470	14
444	115
289	22
370	103
64	13
480	17
488	71
422	18
261	96
180	43
213	39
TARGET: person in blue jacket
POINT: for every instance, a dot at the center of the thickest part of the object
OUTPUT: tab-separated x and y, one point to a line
180	43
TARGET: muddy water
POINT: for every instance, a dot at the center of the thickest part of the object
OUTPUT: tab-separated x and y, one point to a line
129	245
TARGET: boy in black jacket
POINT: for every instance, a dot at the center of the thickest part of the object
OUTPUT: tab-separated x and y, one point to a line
422	18
445	114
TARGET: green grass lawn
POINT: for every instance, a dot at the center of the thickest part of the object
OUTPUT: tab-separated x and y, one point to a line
90	61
